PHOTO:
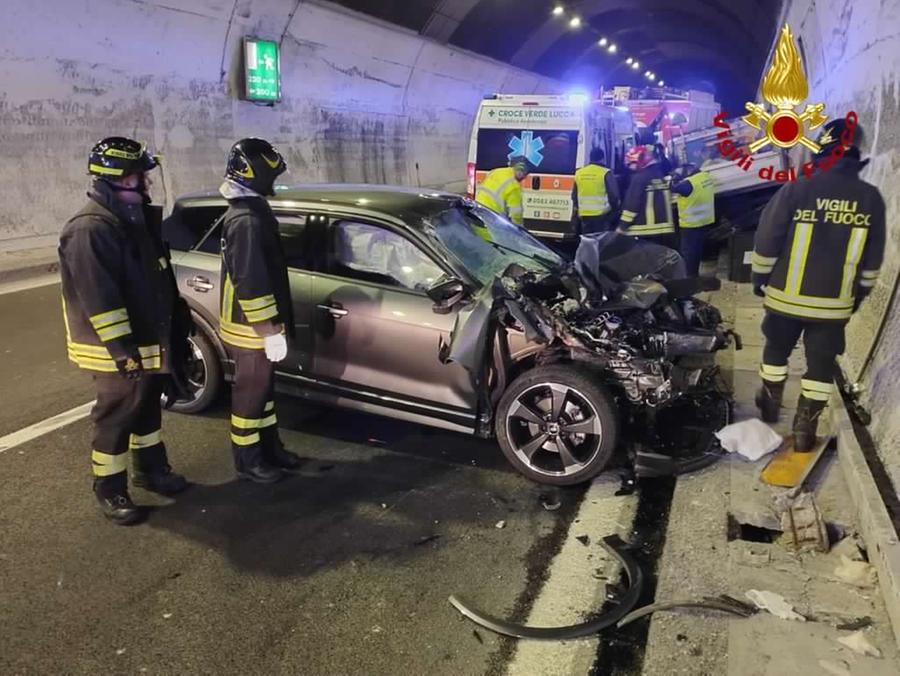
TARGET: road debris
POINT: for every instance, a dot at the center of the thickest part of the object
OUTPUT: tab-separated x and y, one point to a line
583	539
551	504
120	651
425	540
854	625
848	547
752	439
724	603
858	643
775	604
166	616
803	525
858	573
500	524
614	545
477	636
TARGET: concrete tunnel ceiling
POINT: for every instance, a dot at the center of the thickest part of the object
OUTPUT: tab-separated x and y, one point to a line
718	45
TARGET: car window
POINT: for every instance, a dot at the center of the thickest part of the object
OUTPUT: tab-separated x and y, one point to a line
374	254
188	226
294	238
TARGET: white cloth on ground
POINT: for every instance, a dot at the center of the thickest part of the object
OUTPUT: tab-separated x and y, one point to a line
751	438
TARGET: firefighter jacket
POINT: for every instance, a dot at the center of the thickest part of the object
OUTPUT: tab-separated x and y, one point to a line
647	209
118	290
596	192
501	192
698	207
820	243
256	296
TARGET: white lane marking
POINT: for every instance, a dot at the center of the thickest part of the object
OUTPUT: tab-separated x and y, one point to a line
572	590
26	284
26	434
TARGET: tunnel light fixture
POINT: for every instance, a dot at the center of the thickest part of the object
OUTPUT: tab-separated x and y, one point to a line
629	60
559	10
612	49
575	22
635	65
661	83
646	73
603	42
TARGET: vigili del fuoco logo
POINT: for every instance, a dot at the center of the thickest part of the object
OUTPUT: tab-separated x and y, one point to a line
785	87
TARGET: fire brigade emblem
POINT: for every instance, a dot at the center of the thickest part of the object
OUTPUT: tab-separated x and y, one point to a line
131	365
785	87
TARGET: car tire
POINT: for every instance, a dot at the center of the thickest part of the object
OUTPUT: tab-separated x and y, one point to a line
207	376
587	425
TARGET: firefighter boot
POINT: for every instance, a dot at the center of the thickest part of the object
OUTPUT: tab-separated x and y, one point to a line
251	465
768	400
276	455
152	472
115	503
806	422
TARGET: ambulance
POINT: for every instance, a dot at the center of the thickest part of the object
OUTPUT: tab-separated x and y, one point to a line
556	134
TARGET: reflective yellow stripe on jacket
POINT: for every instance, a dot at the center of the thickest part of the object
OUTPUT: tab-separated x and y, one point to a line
698	208
241	335
590	183
501	192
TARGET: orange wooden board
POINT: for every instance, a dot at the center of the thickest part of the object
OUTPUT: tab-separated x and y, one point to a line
788	468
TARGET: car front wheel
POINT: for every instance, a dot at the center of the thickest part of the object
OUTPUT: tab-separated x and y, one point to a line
205	378
557	426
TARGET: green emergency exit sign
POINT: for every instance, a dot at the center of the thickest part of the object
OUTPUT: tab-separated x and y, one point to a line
262	70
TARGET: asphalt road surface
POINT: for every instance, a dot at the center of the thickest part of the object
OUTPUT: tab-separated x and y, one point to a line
344	568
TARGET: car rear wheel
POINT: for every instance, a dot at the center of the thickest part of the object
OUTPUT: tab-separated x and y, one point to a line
205	378
557	426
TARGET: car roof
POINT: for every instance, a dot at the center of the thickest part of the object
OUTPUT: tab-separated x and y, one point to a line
394	200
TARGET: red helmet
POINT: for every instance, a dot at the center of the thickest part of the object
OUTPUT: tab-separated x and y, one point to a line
640	157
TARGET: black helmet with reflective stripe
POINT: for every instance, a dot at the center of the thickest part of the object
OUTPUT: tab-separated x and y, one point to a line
116	157
255	164
842	131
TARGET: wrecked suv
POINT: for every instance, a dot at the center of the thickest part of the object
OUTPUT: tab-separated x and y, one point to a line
424	306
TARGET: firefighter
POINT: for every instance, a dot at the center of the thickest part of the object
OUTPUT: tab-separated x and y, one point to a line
817	254
647	209
595	196
501	190
695	194
256	313
120	305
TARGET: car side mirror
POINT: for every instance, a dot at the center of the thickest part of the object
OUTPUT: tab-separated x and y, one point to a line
447	294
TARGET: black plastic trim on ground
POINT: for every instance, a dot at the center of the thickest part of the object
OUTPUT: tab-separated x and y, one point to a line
621	651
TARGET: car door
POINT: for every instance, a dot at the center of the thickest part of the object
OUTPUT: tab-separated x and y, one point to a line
375	333
293	227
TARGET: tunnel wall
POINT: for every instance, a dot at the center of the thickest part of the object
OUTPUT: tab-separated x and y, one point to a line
363	100
852	53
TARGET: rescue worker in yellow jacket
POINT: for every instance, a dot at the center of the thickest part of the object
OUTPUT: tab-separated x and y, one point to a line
501	190
595	197
124	323
817	254
256	312
695	197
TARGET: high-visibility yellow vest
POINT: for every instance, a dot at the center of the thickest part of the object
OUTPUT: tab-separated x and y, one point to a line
590	182
502	193
698	208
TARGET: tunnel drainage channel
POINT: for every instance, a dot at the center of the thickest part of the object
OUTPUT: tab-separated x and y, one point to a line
621	651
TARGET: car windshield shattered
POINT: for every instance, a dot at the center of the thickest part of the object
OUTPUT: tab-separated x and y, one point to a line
486	243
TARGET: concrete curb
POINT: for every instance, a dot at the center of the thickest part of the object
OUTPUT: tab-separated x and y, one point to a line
877	527
29	271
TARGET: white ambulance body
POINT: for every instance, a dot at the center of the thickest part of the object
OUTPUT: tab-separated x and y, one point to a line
556	133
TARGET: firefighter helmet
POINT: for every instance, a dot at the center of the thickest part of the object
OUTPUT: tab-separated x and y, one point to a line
255	164
640	157
842	131
116	157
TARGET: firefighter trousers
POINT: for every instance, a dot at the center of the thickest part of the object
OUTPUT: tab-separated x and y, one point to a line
587	225
692	242
254	426
127	416
823	342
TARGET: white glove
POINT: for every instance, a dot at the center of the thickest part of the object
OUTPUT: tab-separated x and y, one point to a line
276	347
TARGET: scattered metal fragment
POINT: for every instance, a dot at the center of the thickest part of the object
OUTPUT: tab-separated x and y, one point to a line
583	539
425	540
724	603
856	625
477	636
612	544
